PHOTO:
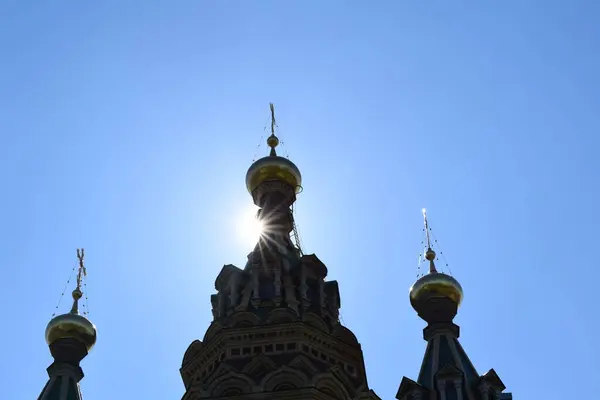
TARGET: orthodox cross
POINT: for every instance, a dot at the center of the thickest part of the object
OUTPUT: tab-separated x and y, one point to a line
272	118
81	272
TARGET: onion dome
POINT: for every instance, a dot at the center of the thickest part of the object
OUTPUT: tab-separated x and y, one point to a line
72	326
273	168
435	285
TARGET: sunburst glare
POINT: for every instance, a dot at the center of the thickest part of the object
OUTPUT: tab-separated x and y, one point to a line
248	227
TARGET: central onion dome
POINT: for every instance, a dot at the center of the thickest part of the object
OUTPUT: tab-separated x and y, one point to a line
273	168
72	326
435	285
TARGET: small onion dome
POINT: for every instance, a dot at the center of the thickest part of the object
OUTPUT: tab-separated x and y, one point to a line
273	168
72	326
435	284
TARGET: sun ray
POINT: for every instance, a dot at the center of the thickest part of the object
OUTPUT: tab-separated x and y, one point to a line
249	228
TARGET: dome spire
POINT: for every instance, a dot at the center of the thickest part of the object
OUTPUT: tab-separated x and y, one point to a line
429	254
427	292
273	168
273	140
70	337
81	272
446	370
273	182
73	325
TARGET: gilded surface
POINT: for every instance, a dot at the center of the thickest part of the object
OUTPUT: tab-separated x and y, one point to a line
436	285
273	168
71	326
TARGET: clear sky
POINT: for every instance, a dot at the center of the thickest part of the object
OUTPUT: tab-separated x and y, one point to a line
127	128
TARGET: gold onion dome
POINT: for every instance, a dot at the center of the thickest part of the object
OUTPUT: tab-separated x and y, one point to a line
273	168
72	326
435	284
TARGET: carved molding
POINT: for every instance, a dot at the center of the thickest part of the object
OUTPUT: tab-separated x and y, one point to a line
230	380
193	349
264	188
238	318
212	330
222	369
330	382
258	362
343	378
285	375
315	321
281	315
345	335
303	363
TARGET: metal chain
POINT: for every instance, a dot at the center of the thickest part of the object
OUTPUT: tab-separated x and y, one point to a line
63	292
420	259
85	304
441	252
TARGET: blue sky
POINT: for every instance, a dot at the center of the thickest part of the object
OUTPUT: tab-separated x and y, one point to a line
127	128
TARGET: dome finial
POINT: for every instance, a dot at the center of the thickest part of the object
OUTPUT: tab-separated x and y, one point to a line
73	325
273	167
429	254
81	272
434	285
273	140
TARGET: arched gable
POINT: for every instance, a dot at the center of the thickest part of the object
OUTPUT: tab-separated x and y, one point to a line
284	376
328	383
193	349
212	330
244	318
229	382
345	335
280	315
315	321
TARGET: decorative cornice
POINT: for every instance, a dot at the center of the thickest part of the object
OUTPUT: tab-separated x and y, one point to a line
260	361
449	371
447	328
286	375
64	369
304	364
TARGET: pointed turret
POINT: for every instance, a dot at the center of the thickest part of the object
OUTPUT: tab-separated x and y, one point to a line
446	371
276	331
273	181
70	337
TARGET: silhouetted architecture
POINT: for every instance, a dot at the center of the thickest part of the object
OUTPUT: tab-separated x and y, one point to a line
276	332
446	372
70	337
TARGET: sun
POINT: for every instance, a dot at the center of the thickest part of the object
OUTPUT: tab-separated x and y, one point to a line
248	227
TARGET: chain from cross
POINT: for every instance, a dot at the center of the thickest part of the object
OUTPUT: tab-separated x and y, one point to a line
81	271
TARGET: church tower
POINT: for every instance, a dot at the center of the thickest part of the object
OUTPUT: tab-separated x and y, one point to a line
70	337
446	372
276	332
